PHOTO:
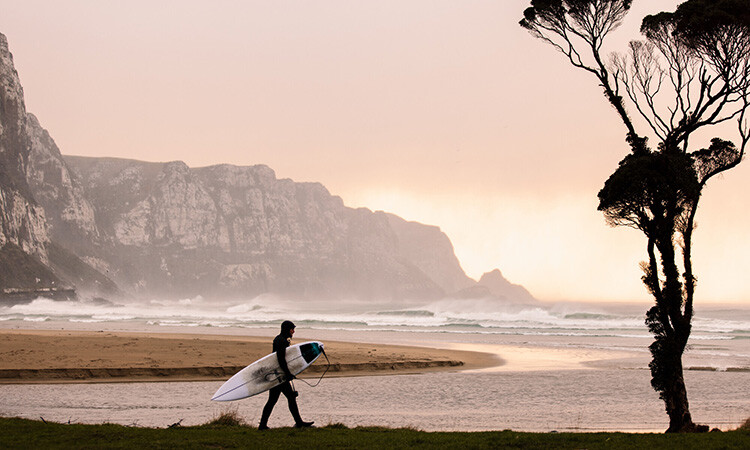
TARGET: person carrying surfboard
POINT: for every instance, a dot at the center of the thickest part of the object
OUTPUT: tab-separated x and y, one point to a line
280	344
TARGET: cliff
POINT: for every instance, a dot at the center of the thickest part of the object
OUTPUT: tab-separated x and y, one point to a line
118	227
23	232
169	230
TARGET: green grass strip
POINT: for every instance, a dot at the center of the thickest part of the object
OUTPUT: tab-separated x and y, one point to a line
26	434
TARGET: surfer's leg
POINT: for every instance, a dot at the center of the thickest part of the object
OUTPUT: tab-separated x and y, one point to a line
291	397
273	397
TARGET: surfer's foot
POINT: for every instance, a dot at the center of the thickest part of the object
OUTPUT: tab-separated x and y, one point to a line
263	427
303	424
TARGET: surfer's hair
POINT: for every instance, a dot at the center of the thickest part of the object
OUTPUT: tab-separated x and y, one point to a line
287	326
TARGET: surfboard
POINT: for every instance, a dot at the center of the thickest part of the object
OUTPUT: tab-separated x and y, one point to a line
266	373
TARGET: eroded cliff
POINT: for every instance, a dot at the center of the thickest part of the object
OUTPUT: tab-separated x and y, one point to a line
23	232
118	227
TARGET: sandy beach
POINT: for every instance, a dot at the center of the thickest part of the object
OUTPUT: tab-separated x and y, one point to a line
44	356
446	381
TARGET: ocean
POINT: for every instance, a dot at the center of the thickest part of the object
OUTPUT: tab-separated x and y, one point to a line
568	366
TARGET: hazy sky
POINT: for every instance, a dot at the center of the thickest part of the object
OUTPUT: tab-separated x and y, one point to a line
443	112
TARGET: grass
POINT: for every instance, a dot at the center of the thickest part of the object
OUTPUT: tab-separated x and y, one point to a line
23	434
227	418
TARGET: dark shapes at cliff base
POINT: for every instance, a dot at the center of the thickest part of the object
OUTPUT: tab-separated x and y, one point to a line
74	272
22	272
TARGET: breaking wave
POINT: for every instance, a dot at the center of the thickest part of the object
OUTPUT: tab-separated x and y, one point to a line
445	316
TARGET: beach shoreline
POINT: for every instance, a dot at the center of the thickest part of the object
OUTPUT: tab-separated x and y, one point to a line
526	383
75	356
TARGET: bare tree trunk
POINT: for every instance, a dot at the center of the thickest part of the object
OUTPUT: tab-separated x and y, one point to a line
671	329
674	394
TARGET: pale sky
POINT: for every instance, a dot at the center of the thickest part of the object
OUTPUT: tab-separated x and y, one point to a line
443	112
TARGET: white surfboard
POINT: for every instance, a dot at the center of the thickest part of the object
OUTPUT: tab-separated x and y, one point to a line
266	373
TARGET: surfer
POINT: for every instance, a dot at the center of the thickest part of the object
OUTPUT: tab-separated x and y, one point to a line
280	343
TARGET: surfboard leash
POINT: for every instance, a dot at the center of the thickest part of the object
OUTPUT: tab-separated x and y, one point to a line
328	366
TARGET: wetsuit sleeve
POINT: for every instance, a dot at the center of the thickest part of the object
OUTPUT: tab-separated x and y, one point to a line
281	355
280	346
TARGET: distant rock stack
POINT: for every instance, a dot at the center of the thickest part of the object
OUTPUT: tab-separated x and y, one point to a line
499	286
493	285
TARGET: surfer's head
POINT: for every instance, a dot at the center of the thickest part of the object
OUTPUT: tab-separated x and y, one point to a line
287	327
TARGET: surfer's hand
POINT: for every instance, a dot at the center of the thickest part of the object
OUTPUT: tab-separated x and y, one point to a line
289	377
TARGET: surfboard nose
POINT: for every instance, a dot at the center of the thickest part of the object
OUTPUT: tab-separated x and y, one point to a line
311	351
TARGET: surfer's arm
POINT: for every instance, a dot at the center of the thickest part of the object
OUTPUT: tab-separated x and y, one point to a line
281	355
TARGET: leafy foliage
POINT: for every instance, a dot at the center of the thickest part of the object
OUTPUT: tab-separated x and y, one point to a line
716	158
646	187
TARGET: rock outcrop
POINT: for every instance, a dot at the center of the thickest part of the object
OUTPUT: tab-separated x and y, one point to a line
500	287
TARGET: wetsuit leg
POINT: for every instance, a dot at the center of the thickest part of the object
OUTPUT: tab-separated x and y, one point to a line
291	397
273	397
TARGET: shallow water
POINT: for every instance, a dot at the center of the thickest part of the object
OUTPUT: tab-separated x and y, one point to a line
572	400
568	367
720	337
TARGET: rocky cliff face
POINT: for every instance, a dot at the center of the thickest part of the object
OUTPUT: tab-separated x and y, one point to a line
75	243
23	222
121	227
23	230
68	212
430	250
166	229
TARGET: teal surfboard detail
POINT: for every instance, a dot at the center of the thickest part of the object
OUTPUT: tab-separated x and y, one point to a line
310	351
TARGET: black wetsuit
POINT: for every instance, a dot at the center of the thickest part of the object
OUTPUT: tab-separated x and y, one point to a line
280	343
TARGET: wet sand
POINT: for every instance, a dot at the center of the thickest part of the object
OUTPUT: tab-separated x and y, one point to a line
44	356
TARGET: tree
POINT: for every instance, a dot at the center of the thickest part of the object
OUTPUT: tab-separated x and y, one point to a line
690	73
